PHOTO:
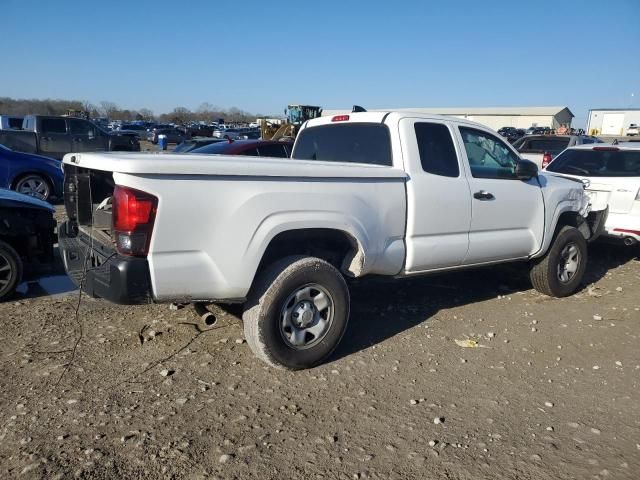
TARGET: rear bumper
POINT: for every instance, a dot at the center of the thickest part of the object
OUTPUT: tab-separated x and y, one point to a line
119	279
623	225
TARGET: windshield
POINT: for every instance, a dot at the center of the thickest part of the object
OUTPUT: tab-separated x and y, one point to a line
348	142
598	163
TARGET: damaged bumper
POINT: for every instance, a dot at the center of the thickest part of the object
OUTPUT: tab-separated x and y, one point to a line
117	278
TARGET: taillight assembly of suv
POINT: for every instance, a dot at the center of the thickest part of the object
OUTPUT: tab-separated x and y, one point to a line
546	159
133	216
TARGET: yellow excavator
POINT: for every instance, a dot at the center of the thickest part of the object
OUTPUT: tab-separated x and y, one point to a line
296	116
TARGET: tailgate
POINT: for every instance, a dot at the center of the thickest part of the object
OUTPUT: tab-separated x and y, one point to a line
619	194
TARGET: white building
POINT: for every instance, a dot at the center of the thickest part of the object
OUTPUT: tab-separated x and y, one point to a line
496	117
612	121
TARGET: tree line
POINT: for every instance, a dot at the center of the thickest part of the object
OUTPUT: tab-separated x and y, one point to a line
206	111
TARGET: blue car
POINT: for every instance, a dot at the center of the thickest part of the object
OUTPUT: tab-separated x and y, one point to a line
31	174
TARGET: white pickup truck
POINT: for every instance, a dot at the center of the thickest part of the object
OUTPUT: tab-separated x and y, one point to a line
396	194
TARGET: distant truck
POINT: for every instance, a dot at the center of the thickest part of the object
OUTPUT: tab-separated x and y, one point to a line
12	122
55	136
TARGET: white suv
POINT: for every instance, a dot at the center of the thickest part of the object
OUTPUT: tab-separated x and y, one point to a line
633	130
612	176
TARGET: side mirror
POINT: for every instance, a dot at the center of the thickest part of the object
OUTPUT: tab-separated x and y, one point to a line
526	170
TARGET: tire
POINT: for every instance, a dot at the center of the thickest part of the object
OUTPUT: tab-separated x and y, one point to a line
552	274
10	270
34	185
286	323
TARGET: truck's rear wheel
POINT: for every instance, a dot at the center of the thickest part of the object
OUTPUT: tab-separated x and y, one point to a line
559	273
296	313
10	270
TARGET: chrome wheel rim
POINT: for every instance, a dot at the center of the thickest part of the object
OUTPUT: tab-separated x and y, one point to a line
6	272
33	186
306	316
568	263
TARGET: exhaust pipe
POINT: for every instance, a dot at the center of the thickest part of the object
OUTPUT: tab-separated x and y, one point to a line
630	241
207	317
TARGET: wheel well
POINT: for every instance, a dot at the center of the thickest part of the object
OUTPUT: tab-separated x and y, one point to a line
573	219
567	219
334	246
40	174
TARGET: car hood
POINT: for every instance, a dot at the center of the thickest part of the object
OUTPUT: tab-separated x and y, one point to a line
9	198
51	162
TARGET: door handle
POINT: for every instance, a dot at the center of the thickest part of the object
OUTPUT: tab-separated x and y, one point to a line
483	195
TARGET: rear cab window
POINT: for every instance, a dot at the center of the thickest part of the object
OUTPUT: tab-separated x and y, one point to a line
437	152
368	143
598	162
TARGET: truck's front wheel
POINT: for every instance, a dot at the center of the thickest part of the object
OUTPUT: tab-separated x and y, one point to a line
297	312
560	271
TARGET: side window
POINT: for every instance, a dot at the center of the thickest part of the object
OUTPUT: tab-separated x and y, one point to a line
272	151
79	127
251	152
54	125
437	153
488	156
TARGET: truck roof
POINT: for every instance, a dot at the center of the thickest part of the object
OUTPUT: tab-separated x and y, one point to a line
389	115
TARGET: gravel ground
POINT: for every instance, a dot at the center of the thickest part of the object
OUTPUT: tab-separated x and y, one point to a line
551	391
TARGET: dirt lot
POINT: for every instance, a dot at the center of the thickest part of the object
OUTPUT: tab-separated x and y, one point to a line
551	393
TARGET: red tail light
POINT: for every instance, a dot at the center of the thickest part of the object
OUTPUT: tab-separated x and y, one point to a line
606	149
340	118
134	213
546	159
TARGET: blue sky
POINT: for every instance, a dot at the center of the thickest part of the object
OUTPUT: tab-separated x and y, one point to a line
259	55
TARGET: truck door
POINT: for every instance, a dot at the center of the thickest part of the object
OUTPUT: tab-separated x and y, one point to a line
54	139
438	196
507	214
85	136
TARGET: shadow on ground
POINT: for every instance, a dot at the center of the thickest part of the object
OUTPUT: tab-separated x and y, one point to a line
383	307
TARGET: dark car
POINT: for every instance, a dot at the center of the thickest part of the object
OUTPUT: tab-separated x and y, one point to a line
253	148
511	133
27	231
538	131
200	130
193	143
173	135
138	130
31	174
